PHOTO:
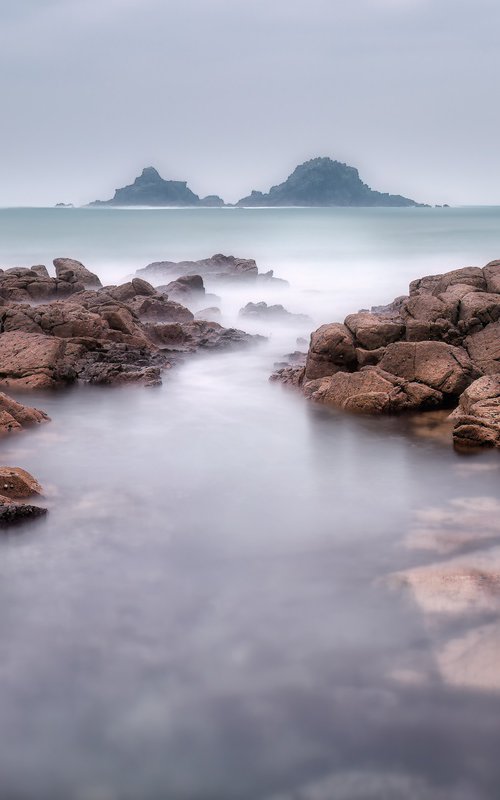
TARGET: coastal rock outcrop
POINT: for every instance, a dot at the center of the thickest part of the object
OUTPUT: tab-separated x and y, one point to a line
274	312
90	333
436	347
14	416
217	268
71	271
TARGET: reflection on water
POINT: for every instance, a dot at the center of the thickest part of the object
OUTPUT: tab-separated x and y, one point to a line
210	610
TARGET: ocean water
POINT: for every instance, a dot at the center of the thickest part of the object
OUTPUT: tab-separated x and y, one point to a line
209	611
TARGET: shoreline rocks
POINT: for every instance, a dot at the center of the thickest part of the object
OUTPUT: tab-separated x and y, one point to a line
434	348
277	313
82	331
17	484
217	268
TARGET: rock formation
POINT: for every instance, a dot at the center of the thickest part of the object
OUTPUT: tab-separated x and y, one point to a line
324	182
14	416
275	312
80	330
150	189
434	348
217	268
17	484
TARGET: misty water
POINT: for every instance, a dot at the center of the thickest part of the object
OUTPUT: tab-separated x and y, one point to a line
207	611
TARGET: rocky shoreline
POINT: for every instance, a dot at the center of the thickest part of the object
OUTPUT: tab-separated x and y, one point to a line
437	347
56	331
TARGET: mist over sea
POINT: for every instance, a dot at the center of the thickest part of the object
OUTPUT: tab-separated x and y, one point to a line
205	612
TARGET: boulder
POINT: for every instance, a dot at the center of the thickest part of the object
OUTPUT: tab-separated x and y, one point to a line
481	306
332	349
372	331
17	484
36	361
208	313
71	271
275	312
185	289
373	391
484	348
441	366
217	268
477	418
491	274
14	415
12	513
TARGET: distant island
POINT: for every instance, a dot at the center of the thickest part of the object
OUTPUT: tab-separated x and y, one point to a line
324	182
318	182
150	189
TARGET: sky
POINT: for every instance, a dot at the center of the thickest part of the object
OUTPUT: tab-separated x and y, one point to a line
231	95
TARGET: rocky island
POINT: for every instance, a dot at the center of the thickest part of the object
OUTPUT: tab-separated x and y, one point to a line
67	328
318	182
324	182
150	189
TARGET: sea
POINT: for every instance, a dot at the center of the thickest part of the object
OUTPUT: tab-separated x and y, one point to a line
238	594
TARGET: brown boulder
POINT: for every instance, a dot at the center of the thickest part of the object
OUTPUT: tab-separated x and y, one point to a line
484	348
491	274
477	418
441	366
372	331
372	391
71	271
428	308
35	361
14	415
16	483
331	349
481	306
472	276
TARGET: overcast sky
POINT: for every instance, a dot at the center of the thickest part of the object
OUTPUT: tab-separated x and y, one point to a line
231	94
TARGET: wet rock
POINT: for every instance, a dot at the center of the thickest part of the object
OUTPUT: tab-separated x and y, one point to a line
477	418
275	312
35	361
331	349
491	274
12	513
484	348
31	285
185	289
71	271
14	415
289	376
482	306
16	483
217	268
208	313
373	391
441	366
373	331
